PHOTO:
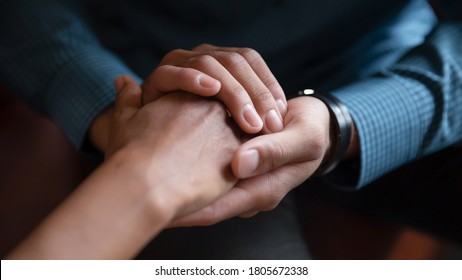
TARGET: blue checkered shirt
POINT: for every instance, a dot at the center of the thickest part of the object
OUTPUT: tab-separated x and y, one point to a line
394	64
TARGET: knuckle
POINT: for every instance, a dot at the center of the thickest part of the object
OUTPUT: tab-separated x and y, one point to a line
238	91
203	46
271	83
212	108
250	54
185	75
173	55
158	72
176	52
202	61
217	108
234	60
274	155
261	95
181	75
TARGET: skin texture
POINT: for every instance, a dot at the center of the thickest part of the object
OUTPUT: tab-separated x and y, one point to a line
284	160
239	77
175	158
248	88
273	162
156	170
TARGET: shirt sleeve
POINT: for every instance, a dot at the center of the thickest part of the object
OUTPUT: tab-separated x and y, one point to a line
410	109
50	58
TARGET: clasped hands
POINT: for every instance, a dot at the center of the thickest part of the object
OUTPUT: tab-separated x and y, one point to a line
178	128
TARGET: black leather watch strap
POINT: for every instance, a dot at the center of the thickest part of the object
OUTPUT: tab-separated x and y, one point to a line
341	128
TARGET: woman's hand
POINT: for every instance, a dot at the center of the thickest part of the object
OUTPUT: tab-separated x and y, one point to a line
164	160
182	144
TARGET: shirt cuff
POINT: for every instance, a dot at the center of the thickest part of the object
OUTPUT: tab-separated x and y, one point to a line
82	89
386	112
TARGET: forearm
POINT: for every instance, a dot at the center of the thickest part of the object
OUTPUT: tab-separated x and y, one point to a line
410	109
110	216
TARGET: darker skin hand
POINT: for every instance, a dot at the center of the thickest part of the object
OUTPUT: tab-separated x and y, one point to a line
271	165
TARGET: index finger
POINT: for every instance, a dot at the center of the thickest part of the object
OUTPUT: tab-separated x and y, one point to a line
259	66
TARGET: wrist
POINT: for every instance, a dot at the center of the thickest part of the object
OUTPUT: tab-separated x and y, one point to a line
340	132
156	181
145	181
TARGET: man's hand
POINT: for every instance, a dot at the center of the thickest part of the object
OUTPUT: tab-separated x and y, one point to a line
237	76
272	165
180	144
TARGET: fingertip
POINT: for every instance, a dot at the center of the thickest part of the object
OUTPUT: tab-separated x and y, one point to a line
235	164
282	106
273	121
128	84
251	119
245	163
128	94
211	84
119	83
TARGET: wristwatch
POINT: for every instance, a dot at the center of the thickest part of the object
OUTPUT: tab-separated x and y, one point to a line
341	129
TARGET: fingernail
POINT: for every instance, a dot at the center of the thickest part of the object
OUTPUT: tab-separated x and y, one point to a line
273	121
208	82
119	84
281	106
251	116
248	163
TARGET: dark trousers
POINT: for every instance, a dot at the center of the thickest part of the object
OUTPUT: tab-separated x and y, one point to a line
271	235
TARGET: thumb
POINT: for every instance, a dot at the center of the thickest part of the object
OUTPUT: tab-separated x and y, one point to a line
268	152
128	99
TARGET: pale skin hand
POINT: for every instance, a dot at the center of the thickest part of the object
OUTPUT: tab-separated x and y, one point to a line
193	138
140	188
